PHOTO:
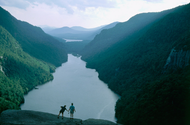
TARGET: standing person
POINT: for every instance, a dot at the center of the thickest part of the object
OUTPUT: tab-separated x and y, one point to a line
63	108
72	110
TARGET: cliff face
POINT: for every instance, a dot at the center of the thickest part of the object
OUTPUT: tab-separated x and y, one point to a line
177	59
24	117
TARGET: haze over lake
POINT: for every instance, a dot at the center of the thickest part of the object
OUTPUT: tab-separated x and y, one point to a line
71	40
74	83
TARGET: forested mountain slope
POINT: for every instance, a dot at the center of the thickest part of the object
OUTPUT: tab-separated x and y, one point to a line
19	72
148	67
33	40
132	29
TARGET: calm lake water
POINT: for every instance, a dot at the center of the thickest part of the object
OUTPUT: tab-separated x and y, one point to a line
74	83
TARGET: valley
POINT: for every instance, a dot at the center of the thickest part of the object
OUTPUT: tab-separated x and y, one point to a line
144	60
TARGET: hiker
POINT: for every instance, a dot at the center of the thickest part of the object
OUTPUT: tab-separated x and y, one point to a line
63	108
72	110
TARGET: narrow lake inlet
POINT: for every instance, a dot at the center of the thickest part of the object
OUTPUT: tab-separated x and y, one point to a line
74	83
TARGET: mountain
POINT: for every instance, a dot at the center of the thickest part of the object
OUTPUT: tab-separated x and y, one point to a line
129	30
28	56
63	30
109	26
146	61
46	28
19	72
69	33
78	33
33	40
79	28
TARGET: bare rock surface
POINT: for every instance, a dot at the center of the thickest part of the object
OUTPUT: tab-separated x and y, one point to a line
97	122
26	117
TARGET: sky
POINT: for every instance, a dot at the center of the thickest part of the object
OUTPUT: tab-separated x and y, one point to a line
85	13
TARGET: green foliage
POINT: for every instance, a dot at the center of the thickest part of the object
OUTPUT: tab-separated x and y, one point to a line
19	72
161	101
133	66
4	105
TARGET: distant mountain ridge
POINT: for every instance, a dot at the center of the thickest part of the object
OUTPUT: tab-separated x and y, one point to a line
64	30
78	32
79	28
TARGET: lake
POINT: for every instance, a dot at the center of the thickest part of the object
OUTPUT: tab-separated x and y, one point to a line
72	40
74	83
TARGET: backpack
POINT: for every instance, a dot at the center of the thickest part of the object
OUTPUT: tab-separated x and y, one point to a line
72	108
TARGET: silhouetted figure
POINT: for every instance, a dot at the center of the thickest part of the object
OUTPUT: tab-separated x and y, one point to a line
72	110
63	108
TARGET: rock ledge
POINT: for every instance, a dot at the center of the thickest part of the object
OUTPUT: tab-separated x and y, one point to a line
26	117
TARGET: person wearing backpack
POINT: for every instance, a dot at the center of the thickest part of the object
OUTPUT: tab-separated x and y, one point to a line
72	110
63	108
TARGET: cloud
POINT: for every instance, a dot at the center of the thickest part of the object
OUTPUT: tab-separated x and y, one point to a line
86	13
154	1
67	4
15	3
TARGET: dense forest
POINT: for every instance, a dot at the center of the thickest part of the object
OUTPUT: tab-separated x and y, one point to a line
146	61
19	72
28	56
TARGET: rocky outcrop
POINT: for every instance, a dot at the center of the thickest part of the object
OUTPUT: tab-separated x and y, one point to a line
26	117
98	122
177	59
1	67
